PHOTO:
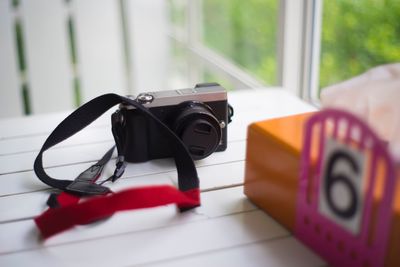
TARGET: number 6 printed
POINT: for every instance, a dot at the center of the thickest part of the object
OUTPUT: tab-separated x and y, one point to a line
340	192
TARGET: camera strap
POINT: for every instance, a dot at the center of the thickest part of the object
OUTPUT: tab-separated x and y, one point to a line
67	210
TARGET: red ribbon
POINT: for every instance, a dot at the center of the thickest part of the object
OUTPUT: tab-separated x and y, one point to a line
72	212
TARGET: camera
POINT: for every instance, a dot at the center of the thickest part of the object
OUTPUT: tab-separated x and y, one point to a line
199	116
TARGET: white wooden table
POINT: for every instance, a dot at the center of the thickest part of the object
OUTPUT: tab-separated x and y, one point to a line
227	230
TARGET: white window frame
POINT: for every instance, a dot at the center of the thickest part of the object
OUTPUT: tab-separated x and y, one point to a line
311	51
298	48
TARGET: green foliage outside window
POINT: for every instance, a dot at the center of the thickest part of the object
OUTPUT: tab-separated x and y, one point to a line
245	32
356	36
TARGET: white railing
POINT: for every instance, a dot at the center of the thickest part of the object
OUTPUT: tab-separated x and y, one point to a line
57	54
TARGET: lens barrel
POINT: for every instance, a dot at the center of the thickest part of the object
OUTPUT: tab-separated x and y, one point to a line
198	128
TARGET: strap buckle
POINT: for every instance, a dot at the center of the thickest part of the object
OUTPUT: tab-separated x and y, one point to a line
85	184
119	169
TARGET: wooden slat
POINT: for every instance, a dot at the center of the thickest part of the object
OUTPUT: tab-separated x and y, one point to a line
93	152
35	202
158	244
219	175
48	62
25	126
280	252
11	104
23	182
33	143
228	174
58	157
99	47
214	204
211	176
42	124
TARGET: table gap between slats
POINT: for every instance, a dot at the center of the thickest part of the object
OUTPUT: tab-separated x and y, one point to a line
216	205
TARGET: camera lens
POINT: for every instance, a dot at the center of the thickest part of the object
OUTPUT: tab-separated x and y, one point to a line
198	128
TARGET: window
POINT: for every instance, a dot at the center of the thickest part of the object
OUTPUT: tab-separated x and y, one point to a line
303	45
245	32
231	42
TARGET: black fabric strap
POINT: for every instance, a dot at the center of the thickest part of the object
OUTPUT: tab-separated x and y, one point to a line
89	112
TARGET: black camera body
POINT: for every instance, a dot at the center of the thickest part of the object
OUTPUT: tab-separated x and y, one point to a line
199	116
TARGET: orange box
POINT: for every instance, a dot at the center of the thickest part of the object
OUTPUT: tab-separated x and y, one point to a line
272	172
273	165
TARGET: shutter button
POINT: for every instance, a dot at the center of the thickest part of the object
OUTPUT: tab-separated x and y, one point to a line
144	98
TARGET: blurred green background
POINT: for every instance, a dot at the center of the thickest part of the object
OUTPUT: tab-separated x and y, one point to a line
245	32
358	35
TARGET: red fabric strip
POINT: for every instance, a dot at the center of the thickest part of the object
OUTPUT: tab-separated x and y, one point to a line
65	199
56	220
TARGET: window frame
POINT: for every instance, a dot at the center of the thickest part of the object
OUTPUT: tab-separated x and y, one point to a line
298	43
311	50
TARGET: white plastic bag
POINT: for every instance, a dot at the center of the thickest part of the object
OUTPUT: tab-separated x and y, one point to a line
375	97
